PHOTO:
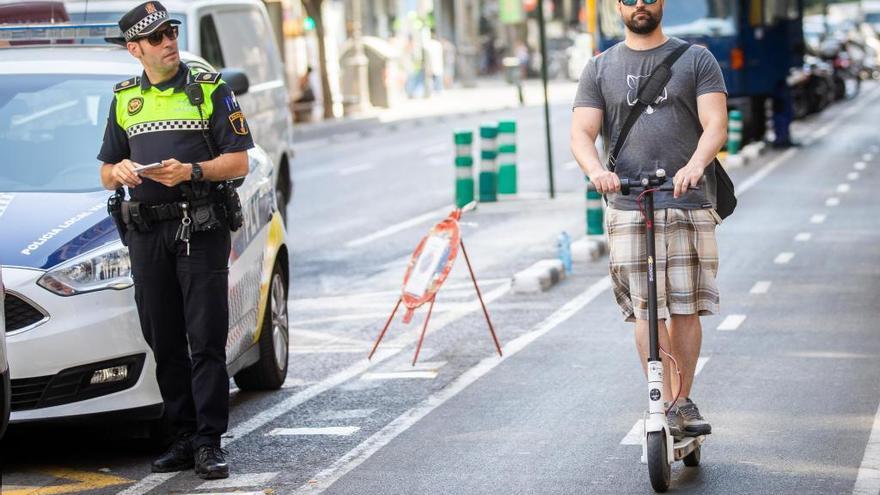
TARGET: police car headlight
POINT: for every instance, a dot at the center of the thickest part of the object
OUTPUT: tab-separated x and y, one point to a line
108	267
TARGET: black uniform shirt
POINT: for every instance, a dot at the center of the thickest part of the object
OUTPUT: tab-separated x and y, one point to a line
185	145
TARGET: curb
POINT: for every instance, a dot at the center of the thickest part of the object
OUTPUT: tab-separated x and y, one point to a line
538	277
749	153
588	249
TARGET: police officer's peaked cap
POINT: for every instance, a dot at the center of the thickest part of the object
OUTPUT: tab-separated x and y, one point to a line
143	20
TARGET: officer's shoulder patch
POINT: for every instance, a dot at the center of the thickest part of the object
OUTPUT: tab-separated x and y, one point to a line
208	77
128	83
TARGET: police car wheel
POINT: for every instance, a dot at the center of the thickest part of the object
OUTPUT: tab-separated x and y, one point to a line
270	371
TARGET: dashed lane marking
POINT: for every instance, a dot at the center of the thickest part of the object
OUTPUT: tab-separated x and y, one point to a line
832	201
636	433
868	478
400	375
344	414
860	166
355	169
853	176
336	431
435	215
783	258
818	218
761	287
803	237
868	157
368	447
731	323
245	480
843	188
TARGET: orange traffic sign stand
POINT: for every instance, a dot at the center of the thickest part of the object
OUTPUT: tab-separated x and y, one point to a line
428	269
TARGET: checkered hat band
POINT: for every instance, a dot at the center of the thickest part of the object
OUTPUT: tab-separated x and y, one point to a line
143	23
167	125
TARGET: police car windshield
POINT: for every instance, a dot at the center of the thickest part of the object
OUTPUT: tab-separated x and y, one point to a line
51	128
99	17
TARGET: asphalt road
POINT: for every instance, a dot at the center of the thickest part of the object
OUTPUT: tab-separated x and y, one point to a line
791	388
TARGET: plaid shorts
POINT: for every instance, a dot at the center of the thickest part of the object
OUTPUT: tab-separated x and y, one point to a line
687	261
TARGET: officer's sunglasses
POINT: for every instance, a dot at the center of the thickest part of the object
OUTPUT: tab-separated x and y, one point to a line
632	3
155	38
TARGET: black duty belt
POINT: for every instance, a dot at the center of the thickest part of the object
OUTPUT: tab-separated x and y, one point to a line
163	212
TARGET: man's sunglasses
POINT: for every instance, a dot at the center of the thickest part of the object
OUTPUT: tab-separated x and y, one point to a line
632	3
155	38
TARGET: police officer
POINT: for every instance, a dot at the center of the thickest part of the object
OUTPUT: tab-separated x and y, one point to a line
191	124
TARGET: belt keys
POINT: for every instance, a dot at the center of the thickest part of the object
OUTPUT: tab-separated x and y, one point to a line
184	232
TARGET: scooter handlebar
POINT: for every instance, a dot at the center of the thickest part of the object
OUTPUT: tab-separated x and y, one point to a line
626	185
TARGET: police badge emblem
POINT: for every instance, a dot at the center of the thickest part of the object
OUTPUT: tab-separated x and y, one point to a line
135	105
239	126
150	8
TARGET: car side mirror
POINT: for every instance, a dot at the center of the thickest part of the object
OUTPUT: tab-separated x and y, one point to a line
237	80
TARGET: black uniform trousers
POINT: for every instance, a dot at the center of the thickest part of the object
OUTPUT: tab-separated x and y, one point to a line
183	304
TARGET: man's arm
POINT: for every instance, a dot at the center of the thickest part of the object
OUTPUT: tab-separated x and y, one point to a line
586	123
226	166
712	110
116	175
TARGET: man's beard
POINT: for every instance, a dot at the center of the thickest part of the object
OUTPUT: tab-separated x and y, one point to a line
643	26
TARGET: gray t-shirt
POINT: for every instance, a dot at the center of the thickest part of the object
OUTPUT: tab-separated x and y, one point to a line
666	135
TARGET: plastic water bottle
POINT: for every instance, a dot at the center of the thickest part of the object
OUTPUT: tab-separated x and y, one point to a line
563	247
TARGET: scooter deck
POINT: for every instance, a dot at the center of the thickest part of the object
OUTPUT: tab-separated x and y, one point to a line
686	445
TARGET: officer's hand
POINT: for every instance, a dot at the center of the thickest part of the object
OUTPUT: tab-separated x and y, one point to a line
606	182
171	173
123	173
687	176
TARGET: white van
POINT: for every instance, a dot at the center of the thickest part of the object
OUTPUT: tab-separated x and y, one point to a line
228	33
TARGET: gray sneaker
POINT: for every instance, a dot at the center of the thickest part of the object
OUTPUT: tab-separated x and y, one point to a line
673	419
693	423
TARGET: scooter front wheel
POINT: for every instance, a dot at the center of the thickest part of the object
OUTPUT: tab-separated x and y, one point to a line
658	461
692	459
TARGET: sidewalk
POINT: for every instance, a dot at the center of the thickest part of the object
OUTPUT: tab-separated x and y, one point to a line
489	95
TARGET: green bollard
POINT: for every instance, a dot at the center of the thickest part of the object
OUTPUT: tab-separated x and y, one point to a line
507	157
734	132
488	163
464	168
595	213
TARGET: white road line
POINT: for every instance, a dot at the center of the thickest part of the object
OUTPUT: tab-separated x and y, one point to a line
783	258
401	375
760	174
731	323
843	188
868	478
368	447
336	431
148	483
860	166
818	218
832	201
355	169
867	157
344	414
803	237
238	481
761	287
852	176
228	493
636	433
436	215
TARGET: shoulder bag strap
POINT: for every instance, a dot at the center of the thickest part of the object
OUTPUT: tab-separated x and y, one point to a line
647	94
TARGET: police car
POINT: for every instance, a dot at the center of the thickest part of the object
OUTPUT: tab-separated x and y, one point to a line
74	343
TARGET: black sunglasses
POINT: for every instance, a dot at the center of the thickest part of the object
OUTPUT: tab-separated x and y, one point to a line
632	3
155	38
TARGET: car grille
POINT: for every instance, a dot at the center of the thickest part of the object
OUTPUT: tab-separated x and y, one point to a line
19	313
71	385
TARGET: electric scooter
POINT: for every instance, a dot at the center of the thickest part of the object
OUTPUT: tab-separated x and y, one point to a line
659	449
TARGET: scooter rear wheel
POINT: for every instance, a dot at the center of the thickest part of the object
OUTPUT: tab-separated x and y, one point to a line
692	459
658	461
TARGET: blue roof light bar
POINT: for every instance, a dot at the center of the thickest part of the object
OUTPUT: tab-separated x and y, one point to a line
53	32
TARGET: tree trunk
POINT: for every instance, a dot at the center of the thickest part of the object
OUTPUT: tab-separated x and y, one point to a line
313	8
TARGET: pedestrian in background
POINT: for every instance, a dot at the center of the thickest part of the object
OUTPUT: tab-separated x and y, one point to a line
681	132
178	239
